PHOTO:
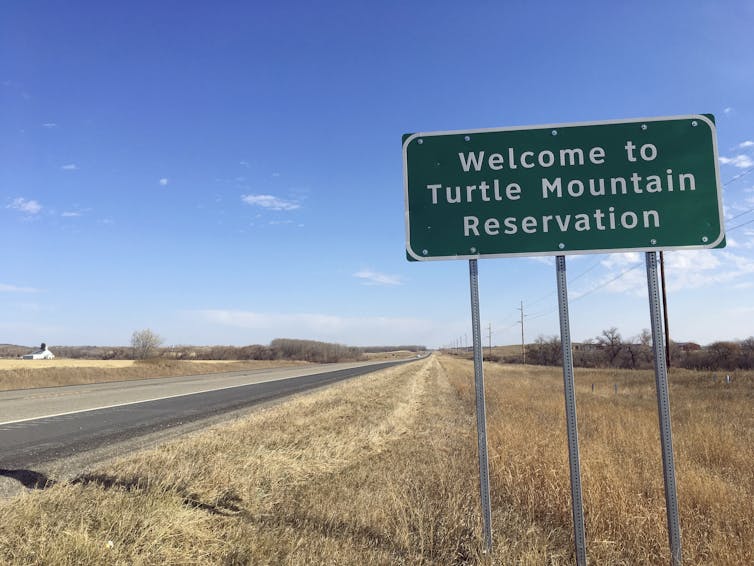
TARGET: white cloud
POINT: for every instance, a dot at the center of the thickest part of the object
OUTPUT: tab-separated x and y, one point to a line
69	167
50	125
630	279
5	288
26	206
270	202
745	144
357	331
687	269
693	269
70	214
728	110
621	260
740	161
164	182
369	277
543	259
245	163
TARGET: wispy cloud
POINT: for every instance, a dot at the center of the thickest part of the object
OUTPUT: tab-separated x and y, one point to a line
544	260
270	202
69	167
728	110
316	326
30	207
688	269
17	87
740	161
745	144
623	276
5	288
70	214
164	182
621	260
244	163
49	125
369	277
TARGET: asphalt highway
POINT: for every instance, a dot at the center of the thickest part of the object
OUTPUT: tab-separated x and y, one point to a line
38	426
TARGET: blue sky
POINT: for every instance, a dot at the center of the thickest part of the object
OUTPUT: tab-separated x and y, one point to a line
232	172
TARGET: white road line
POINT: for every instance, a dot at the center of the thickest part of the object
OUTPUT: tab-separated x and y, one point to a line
145	401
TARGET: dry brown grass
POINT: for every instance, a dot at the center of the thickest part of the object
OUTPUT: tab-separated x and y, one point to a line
27	374
57	363
713	427
382	470
369	471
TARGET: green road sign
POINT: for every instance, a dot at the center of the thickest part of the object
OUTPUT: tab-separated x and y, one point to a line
627	185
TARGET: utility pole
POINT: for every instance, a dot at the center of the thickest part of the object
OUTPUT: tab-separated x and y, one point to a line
523	344
489	334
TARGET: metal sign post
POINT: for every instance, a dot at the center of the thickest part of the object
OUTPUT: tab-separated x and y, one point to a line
570	405
663	408
643	184
481	420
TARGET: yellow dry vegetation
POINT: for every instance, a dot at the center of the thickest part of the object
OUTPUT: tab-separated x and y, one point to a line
27	374
383	470
6	364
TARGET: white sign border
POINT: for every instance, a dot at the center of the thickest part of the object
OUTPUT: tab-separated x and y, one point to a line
701	117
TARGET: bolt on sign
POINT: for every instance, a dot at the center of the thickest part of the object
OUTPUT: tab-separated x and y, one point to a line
625	185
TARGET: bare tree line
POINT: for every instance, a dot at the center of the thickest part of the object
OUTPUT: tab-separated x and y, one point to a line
610	349
146	344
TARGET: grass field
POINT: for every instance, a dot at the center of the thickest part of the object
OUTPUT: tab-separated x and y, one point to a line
382	470
15	363
26	374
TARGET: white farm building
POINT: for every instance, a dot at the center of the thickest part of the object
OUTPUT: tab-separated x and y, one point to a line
42	354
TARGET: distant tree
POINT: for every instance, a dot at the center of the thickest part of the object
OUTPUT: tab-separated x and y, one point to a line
645	338
145	344
313	351
637	352
611	343
723	355
747	353
546	351
587	354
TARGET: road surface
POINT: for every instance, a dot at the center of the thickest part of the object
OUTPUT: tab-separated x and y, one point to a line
39	428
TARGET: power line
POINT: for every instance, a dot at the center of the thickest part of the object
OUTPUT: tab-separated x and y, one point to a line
541	314
550	294
589	292
739	226
621	274
595	264
737	177
747	211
